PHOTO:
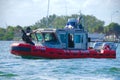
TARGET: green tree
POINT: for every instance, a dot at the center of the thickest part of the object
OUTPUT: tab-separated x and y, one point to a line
2	33
9	35
92	24
112	28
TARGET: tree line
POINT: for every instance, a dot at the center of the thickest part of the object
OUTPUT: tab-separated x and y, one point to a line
91	24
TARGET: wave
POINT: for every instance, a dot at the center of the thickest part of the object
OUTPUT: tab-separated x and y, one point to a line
4	74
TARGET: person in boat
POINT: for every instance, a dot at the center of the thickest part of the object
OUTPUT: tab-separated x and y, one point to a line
71	24
74	23
27	36
49	38
53	37
79	22
106	47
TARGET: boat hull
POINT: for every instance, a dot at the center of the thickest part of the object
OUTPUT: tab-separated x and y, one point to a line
27	50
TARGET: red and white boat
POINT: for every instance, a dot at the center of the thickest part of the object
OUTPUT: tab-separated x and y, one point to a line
60	44
59	48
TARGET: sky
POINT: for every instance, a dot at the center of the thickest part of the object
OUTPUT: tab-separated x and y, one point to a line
28	12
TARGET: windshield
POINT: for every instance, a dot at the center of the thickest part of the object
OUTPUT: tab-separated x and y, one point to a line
39	37
46	37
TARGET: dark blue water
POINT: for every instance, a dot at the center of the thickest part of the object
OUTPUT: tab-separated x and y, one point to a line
16	68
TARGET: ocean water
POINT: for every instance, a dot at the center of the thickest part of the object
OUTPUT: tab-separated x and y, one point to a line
16	68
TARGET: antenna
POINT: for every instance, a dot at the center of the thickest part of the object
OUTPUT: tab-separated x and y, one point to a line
66	7
80	17
80	12
113	14
6	25
47	13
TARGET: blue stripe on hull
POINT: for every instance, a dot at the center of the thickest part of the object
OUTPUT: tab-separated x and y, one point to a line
18	48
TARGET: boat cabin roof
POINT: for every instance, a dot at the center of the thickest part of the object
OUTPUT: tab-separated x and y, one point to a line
52	30
46	30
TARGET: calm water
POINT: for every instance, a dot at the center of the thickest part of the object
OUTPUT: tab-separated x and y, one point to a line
16	68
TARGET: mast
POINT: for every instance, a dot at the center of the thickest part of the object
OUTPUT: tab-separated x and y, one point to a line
48	13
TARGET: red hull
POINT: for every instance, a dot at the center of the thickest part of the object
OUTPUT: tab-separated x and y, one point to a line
22	49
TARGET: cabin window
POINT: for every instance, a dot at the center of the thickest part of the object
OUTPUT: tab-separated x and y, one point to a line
78	39
63	38
47	36
50	37
39	37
